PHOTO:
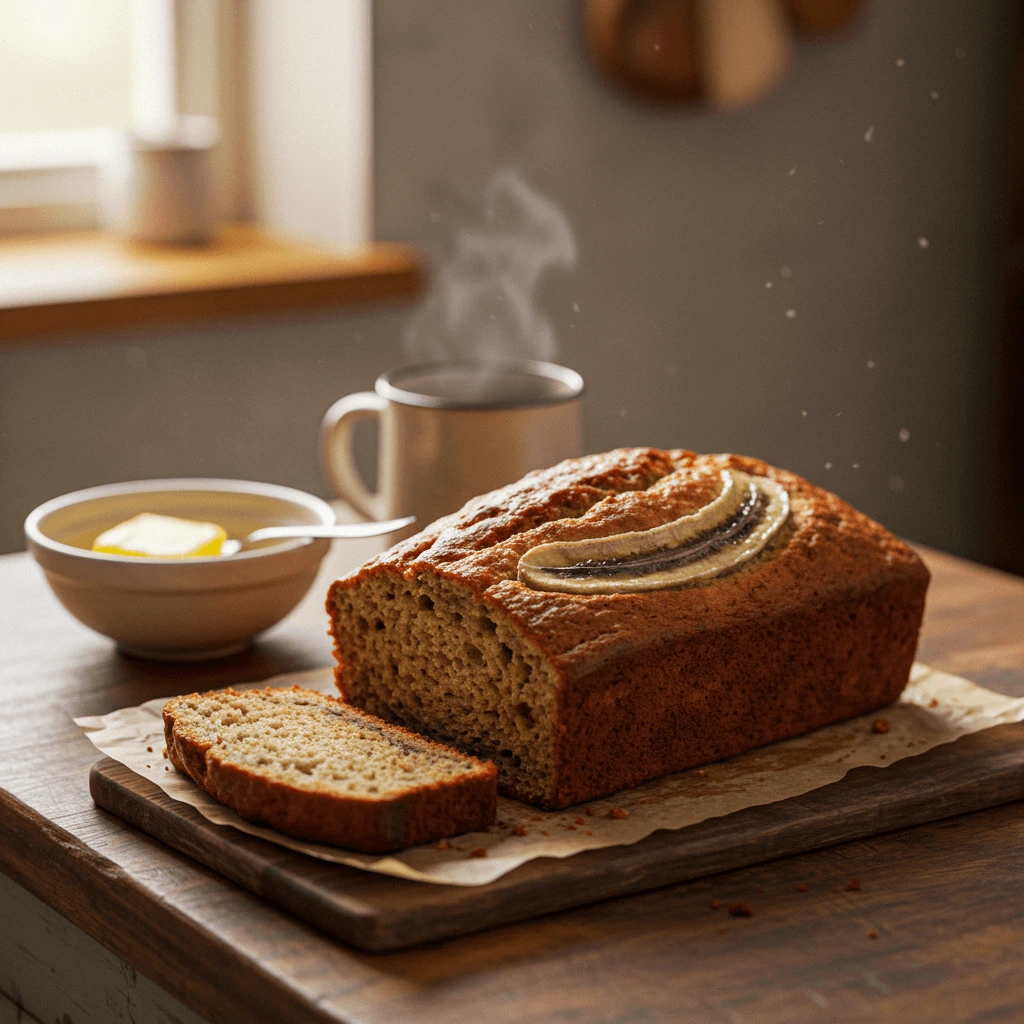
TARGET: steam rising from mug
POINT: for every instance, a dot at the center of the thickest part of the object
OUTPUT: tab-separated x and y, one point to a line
482	304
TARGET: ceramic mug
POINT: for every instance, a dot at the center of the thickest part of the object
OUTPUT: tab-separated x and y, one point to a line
451	431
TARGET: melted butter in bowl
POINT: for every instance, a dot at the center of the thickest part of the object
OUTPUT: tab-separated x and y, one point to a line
723	535
149	535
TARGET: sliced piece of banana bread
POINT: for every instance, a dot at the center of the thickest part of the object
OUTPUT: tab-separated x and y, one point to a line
315	768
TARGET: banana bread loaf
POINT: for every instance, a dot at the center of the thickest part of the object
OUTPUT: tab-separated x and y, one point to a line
626	615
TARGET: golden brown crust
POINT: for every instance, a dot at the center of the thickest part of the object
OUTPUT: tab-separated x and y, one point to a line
821	627
418	814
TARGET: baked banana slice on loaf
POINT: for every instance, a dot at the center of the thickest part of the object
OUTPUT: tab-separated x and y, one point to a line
317	769
622	616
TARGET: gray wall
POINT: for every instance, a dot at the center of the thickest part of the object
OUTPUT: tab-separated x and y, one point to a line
679	221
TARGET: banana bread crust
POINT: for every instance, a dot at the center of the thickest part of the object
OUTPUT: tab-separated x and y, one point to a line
820	627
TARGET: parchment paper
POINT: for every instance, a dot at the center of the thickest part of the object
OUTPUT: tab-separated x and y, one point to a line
935	708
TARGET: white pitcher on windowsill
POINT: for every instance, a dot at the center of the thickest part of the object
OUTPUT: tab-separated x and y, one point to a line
161	188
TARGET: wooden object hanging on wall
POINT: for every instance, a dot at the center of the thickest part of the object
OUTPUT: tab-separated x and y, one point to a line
727	53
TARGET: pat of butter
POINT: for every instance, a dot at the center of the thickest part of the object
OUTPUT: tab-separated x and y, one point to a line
161	537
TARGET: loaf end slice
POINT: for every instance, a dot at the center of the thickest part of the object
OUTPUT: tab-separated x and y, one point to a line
315	768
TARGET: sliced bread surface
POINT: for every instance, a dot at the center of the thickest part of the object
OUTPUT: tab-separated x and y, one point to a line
316	768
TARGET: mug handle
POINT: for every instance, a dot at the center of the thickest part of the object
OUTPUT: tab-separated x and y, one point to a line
339	467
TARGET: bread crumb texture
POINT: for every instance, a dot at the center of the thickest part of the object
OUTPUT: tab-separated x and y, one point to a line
318	769
577	696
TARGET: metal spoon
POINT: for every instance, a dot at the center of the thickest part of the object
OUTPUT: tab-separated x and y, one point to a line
349	530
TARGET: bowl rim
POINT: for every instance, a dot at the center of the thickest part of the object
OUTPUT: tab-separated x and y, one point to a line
35	535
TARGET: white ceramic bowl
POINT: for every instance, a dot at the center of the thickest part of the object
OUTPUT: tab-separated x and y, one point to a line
179	609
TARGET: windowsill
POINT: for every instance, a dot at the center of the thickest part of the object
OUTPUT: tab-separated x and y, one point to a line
84	282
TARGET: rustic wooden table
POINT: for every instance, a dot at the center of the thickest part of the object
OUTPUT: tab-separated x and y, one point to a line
935	933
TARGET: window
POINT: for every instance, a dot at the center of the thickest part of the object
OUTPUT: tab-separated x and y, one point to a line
287	85
65	64
287	82
75	75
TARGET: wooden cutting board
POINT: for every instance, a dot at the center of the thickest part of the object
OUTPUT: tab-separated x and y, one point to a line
378	913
